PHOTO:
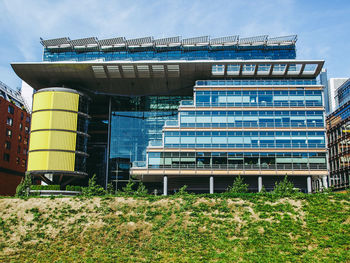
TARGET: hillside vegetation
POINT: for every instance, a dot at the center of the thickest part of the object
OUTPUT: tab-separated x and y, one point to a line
187	228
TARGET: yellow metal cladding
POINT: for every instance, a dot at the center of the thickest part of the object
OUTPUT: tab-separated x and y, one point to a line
57	100
51	160
62	120
53	131
60	140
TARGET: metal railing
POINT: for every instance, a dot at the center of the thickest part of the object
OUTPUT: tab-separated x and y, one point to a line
245	145
254	82
242	166
260	104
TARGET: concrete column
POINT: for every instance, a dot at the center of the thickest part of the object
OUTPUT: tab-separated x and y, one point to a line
309	188
260	183
211	185
165	185
325	182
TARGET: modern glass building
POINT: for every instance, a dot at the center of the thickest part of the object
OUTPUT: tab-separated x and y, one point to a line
338	133
197	111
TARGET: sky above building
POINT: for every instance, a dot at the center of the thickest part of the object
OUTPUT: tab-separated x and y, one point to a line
322	26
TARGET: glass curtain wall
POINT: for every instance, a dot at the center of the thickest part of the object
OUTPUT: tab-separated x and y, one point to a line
137	122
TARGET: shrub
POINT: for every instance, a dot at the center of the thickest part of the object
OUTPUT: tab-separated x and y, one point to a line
73	188
23	188
284	187
141	190
45	187
127	190
238	186
93	189
110	189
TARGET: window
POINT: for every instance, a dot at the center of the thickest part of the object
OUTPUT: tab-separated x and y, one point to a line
8	133
25	141
22	115
17	160
20	126
26	129
19	138
9	121
24	151
6	157
7	145
11	109
27	119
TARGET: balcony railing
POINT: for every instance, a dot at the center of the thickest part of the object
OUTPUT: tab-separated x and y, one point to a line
252	125
254	82
260	104
186	103
243	166
243	145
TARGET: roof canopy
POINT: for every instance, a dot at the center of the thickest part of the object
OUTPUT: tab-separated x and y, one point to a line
177	77
61	44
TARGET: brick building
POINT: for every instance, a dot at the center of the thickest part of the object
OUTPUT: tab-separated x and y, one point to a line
14	136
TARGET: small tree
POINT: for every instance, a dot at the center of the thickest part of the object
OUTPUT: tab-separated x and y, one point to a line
24	186
182	191
127	190
238	186
284	187
93	189
141	190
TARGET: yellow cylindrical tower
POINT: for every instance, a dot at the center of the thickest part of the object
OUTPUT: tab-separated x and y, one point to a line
58	138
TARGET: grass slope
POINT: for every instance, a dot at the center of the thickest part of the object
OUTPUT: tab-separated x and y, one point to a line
248	228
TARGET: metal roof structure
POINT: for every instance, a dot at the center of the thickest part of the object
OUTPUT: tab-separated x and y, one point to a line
65	43
141	78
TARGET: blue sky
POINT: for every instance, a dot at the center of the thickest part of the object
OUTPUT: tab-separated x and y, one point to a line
323	27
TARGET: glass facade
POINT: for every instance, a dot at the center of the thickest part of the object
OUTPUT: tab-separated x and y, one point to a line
245	126
338	133
175	53
244	139
136	122
237	160
253	118
259	98
343	93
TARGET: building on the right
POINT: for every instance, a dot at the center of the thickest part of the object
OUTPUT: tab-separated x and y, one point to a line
338	135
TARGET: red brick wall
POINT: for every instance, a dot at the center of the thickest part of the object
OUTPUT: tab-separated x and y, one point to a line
8	183
19	141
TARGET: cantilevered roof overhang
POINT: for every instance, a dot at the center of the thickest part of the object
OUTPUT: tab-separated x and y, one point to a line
138	78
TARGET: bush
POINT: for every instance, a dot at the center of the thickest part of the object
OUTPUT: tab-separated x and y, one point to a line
73	188
238	186
46	187
127	190
182	191
93	189
110	189
284	187
23	188
141	190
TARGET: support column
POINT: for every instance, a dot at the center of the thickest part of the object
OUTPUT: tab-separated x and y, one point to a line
165	185
260	183
325	182
211	185
108	140
309	188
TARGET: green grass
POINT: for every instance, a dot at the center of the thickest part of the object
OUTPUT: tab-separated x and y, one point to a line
218	228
